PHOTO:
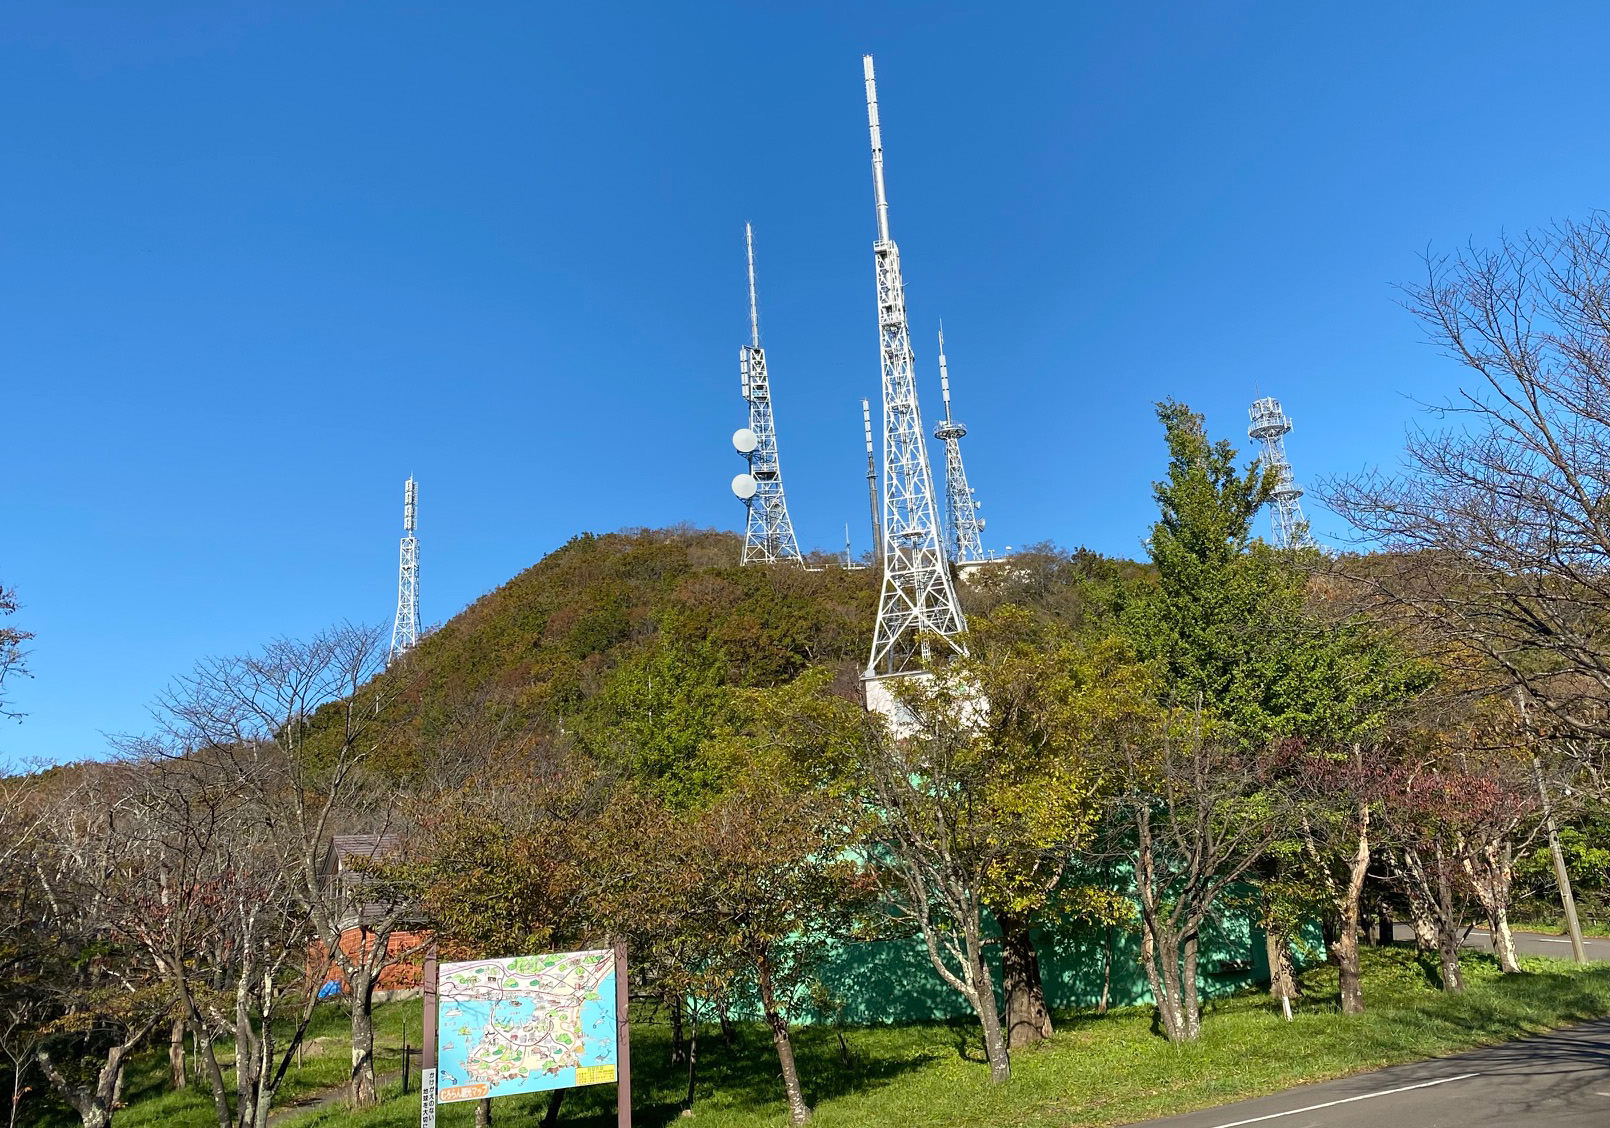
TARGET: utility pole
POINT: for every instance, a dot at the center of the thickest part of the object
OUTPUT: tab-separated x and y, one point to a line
405	628
964	526
1562	876
918	603
768	533
1269	429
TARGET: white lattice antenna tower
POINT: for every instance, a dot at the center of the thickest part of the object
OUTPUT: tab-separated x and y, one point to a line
405	630
965	528
768	533
918	603
1269	428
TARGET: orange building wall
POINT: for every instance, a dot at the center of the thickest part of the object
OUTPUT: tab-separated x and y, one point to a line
395	977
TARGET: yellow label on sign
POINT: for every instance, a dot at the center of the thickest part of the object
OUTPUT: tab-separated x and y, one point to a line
464	1092
594	1074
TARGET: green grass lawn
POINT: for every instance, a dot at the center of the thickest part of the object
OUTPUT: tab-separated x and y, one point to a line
326	1061
1105	1070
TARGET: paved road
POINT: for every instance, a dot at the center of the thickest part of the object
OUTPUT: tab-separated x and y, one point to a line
1528	944
1559	1080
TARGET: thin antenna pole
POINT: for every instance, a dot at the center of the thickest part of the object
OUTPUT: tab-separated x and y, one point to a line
877	148
754	309
944	373
871	479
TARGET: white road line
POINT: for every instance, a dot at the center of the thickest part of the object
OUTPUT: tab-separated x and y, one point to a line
1346	1100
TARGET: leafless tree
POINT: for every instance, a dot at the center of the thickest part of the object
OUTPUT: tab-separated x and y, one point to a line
13	658
103	994
296	726
1495	532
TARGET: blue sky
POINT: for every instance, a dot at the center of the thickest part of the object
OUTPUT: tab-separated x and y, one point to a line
262	262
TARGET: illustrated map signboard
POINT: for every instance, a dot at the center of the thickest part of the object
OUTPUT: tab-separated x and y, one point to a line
525	1024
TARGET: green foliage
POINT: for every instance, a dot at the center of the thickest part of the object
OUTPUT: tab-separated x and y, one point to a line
1230	621
655	714
545	652
1094	1072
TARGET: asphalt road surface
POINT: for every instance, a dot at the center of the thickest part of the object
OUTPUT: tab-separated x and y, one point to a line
1527	943
1559	1080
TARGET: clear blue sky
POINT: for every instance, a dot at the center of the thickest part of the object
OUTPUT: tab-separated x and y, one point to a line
263	261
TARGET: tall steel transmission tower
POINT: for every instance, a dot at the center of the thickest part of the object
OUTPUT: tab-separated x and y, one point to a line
768	534
405	630
1270	428
918	602
965	528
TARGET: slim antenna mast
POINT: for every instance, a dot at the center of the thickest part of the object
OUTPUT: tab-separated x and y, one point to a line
1269	428
871	480
405	628
754	309
918	603
768	532
965	527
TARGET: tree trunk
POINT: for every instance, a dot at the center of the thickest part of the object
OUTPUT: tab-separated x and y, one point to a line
1347	960
798	1111
1504	942
1166	987
176	1073
692	1050
1000	1061
1028	1019
1453	980
207	1055
1420	918
16	1089
677	1040
1491	877
483	1113
17	1065
1282	974
1106	973
1350	909
361	1081
1190	992
550	1119
93	1103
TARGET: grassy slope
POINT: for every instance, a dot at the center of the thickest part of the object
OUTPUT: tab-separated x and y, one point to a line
1097	1071
325	1064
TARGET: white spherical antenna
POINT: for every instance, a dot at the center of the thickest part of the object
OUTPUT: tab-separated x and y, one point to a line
744	441
744	485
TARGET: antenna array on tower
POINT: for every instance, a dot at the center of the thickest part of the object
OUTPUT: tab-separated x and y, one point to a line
768	534
1269	428
405	628
918	602
963	524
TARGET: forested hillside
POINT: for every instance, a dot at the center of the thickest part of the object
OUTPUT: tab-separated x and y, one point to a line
614	628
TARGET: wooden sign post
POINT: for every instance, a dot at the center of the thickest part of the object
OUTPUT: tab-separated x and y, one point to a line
623	1041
